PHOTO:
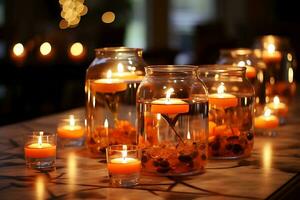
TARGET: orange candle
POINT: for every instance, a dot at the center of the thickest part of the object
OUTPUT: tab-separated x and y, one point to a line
169	105
250	72
266	120
278	107
108	85
40	149
221	99
124	166
71	130
271	56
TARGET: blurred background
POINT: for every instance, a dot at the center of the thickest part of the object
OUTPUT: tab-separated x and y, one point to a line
46	46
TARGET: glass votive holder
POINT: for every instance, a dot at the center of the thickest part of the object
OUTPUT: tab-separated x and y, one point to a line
123	165
279	108
266	123
40	150
71	131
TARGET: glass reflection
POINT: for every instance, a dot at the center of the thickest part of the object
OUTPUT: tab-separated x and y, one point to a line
267	157
40	188
72	170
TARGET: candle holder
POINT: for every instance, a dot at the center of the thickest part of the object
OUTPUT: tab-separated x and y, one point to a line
71	131
278	108
40	150
172	113
266	123
280	59
123	165
231	106
111	84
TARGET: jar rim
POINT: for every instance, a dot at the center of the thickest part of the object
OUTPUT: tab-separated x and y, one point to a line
172	68
220	68
117	49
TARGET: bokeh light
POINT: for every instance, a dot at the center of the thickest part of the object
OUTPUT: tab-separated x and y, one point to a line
18	49
108	17
76	49
45	48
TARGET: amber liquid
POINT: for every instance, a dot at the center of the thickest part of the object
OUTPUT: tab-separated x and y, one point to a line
174	144
231	130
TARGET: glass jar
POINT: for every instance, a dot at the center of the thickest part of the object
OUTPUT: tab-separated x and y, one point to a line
231	105
172	113
112	80
255	68
281	64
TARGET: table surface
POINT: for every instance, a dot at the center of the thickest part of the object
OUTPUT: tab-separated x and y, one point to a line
274	162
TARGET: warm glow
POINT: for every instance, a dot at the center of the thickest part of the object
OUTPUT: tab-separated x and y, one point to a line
76	49
109	74
267	156
241	64
72	167
289	57
40	138
267	113
272	80
105	123
120	68
169	93
124	152
276	100
260	76
158	116
18	49
72	120
40	188
188	136
221	88
271	48
290	75
45	48
108	17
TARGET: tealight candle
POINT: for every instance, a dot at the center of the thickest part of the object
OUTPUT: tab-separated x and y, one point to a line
40	150
266	121
127	76
250	72
123	164
278	107
271	55
70	129
169	105
108	85
222	99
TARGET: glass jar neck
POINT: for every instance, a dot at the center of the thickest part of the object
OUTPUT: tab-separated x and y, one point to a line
222	72
171	71
118	52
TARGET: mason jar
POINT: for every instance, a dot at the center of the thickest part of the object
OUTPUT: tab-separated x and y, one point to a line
111	83
231	105
172	114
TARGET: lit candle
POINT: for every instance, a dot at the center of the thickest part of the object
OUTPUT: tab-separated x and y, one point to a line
278	107
222	99
124	165
250	71
108	85
71	130
267	120
271	55
169	105
125	75
106	127
40	149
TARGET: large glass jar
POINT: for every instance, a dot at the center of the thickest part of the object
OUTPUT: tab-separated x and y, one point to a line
255	68
172	113
281	64
231	105
112	80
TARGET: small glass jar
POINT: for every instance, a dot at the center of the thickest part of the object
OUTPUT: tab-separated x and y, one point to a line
255	68
231	105
172	113
112	80
281	64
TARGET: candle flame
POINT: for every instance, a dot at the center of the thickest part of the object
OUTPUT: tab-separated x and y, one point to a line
72	120
188	136
40	138
241	64
109	74
271	48
105	123
124	152
276	100
158	116
267	113
169	93
221	88
120	68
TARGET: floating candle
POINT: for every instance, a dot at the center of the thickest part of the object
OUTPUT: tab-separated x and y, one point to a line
169	105
125	75
71	130
108	85
271	55
278	107
40	149
266	120
124	165
221	99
